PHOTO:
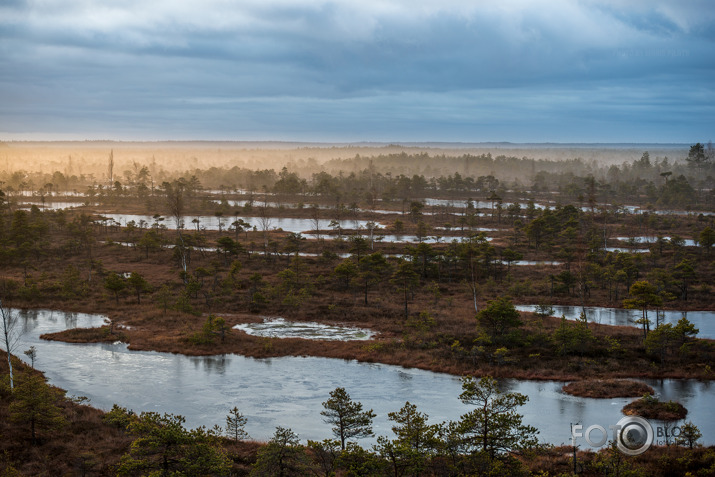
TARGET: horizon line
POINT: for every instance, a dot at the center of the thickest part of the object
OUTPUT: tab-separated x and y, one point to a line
361	143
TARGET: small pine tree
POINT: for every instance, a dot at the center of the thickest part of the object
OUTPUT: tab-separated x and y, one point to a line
115	283
347	417
138	284
689	435
282	456
235	423
35	404
164	298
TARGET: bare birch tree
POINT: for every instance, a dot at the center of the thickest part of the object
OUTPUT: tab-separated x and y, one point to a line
265	222
175	192
315	219
10	336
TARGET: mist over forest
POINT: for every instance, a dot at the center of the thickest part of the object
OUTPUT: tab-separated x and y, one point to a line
259	166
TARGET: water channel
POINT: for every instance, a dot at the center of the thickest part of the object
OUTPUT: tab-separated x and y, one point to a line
704	321
288	391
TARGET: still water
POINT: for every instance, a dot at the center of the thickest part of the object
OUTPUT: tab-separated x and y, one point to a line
51	205
294	225
288	391
478	204
641	239
703	320
210	222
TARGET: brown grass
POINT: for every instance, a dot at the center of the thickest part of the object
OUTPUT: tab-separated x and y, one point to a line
658	461
85	444
86	335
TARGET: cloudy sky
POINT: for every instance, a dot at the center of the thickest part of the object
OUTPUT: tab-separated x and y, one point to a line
367	70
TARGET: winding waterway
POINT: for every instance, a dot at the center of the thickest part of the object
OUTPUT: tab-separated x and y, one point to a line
288	391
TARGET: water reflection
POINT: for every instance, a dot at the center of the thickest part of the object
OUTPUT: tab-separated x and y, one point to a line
211	364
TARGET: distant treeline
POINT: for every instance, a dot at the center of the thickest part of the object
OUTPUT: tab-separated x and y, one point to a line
417	175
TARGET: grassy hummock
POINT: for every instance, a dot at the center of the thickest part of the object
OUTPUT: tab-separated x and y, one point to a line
650	407
607	388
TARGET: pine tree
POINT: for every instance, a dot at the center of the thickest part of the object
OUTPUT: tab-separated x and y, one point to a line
281	457
35	403
138	284
235	422
162	446
115	283
494	426
347	417
689	435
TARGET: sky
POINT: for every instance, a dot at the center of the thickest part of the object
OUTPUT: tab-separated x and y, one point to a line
368	70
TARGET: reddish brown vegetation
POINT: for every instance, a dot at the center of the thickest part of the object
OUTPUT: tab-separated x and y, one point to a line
657	461
448	346
85	444
651	408
87	335
607	388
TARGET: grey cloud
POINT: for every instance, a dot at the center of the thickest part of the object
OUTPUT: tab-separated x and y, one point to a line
293	65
